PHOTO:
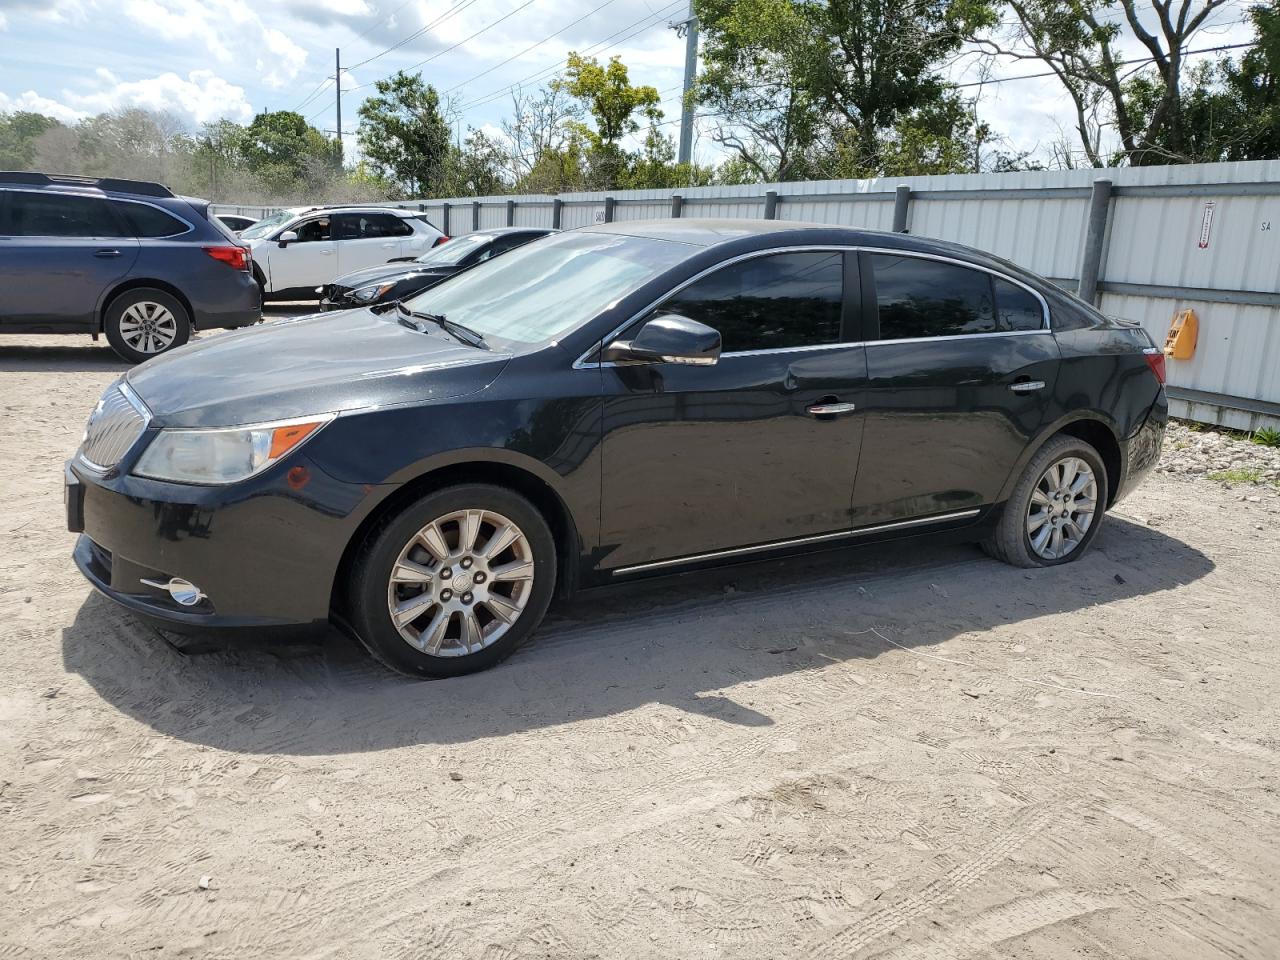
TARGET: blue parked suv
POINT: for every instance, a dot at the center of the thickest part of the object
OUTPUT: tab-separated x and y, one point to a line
122	257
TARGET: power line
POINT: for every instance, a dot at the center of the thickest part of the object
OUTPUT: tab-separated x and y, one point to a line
649	20
448	14
516	56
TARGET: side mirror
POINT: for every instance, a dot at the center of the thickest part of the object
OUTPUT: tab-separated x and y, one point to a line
668	338
288	237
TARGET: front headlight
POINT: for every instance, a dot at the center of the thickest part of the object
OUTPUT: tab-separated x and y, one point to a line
223	454
370	293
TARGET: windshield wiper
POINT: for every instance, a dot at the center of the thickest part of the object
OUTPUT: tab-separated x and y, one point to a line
463	334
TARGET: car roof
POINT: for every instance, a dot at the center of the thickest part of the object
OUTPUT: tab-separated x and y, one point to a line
351	208
500	231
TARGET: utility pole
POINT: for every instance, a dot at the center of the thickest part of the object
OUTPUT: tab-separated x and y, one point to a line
687	28
337	88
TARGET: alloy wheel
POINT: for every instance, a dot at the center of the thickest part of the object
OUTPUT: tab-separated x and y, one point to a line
1061	509
460	583
148	327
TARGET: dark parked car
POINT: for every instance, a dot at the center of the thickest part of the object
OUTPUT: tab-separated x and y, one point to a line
404	278
122	257
607	403
235	223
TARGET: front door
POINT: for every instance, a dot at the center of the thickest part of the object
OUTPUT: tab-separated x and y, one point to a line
705	458
960	370
59	254
307	262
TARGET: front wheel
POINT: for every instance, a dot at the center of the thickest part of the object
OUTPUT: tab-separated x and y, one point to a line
144	323
1056	508
454	582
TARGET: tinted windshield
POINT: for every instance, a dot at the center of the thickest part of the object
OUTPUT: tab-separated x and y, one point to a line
452	252
263	227
542	290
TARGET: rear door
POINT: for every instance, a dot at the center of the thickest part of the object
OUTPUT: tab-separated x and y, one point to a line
706	458
369	240
59	253
960	369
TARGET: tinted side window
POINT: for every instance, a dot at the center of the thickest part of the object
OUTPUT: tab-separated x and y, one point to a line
148	221
770	302
928	298
55	215
313	230
371	226
396	226
1016	307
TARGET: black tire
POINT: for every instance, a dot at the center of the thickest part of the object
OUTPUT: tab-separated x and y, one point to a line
1011	541
119	323
371	589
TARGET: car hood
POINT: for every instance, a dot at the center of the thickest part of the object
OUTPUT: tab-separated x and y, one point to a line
391	271
347	360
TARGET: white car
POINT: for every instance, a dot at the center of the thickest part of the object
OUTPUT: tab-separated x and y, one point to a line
299	249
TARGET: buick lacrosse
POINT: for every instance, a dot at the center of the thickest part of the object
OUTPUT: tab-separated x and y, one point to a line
602	404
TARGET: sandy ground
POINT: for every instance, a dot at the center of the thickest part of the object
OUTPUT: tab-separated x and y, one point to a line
906	752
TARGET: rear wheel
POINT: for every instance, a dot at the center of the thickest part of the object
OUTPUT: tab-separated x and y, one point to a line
1056	508
454	582
144	323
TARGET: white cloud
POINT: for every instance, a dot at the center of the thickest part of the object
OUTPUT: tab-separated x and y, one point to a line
229	29
202	96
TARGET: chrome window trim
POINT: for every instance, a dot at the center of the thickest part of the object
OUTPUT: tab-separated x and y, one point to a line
796	541
142	410
582	363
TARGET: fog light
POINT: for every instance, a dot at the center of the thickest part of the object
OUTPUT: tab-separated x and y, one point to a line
183	591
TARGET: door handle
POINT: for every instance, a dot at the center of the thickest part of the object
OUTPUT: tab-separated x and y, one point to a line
106	253
326	253
831	409
1027	386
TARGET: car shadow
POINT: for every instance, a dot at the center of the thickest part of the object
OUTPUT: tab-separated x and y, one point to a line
682	641
75	355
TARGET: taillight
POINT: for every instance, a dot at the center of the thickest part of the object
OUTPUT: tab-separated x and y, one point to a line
440	239
235	257
1155	360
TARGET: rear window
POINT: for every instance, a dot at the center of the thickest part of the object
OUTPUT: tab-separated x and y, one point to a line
150	222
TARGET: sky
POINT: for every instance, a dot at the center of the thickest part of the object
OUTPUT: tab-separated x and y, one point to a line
207	59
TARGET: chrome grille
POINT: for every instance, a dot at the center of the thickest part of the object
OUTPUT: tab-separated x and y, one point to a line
115	424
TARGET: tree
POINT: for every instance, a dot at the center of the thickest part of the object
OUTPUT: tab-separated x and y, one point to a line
404	134
19	132
608	96
791	79
1081	41
540	124
281	146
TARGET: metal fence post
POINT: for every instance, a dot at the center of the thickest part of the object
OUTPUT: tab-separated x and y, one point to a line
1094	235
475	214
901	204
444	218
677	202
511	213
771	205
608	209
556	205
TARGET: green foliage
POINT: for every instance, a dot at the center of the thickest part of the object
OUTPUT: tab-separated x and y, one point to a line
19	132
404	135
1266	437
283	146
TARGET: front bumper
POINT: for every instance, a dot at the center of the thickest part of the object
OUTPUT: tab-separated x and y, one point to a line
264	553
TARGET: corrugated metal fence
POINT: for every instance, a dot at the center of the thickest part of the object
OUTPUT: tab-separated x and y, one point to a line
1143	243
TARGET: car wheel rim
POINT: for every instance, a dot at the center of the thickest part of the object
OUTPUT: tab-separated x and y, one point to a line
1061	510
460	583
148	327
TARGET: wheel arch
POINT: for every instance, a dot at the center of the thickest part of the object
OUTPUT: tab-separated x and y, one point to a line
140	283
513	476
1095	429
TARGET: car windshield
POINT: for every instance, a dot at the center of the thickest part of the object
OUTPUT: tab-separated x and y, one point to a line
263	227
452	252
542	290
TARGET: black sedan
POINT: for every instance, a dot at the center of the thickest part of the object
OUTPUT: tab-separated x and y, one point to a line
628	399
400	279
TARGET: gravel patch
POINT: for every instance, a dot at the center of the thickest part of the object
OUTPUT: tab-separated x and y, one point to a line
1225	457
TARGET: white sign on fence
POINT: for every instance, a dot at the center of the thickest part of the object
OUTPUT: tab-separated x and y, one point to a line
599	216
